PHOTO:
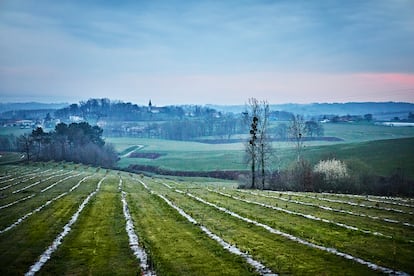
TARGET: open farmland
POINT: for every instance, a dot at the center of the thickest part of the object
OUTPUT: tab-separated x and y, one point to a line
382	157
63	218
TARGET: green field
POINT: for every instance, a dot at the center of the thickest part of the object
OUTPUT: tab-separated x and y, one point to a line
16	131
183	155
10	157
285	233
362	132
382	149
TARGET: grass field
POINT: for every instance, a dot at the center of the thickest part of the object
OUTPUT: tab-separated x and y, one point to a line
16	131
363	132
382	149
183	155
10	157
74	218
382	157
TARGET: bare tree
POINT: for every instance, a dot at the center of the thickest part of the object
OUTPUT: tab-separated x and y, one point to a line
301	171
296	133
25	144
265	147
251	117
258	148
314	128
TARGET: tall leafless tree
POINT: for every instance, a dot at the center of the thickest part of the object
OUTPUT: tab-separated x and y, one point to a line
25	145
301	171
264	144
258	148
296	133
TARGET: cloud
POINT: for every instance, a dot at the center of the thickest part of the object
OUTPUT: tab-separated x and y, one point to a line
211	51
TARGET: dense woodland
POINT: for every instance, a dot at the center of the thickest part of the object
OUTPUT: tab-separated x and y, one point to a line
77	142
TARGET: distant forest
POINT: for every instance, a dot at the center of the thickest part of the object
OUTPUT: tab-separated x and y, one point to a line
193	122
380	110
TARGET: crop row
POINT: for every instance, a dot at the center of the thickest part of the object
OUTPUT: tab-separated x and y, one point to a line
58	258
77	220
321	232
316	204
29	244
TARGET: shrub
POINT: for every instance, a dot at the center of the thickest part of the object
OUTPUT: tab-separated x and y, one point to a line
299	176
332	171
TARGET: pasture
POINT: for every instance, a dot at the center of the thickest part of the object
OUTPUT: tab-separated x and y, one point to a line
381	157
63	218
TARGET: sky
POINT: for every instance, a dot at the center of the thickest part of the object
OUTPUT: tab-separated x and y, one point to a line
207	52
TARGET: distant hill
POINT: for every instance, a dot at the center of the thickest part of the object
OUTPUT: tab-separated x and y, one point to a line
380	110
4	107
384	157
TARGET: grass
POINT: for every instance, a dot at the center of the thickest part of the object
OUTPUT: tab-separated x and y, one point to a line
25	207
16	131
180	155
372	212
97	246
21	246
176	246
9	157
398	231
281	255
127	150
383	149
363	132
98	243
328	235
382	157
122	144
192	161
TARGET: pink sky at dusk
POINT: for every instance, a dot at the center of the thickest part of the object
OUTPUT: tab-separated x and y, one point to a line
212	52
279	87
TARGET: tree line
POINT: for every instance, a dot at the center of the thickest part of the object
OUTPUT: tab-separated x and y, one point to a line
184	130
76	142
94	110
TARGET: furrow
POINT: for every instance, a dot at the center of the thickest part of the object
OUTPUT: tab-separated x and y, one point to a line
379	199
138	251
259	267
66	229
38	209
353	204
17	201
298	240
39	182
24	180
311	217
326	208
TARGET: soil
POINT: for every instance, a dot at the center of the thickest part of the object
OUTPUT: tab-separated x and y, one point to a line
231	175
146	155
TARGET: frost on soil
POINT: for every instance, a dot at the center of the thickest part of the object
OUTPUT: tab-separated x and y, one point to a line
138	251
66	229
259	267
